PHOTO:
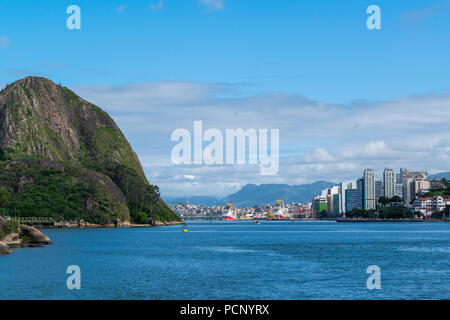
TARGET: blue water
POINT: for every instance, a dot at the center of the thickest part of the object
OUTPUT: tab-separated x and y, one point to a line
236	260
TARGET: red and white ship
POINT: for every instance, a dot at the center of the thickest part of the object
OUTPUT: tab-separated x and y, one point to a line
280	211
230	212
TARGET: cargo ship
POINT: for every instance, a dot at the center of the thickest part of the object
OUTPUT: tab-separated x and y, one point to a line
230	212
279	211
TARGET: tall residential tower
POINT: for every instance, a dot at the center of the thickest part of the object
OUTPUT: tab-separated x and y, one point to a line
389	183
369	190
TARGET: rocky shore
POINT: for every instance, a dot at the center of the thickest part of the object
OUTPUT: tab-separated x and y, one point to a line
26	236
14	236
83	225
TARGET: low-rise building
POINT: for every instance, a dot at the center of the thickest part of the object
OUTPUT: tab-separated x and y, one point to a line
429	205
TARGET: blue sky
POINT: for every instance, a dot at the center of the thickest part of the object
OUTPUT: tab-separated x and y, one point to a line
319	48
141	60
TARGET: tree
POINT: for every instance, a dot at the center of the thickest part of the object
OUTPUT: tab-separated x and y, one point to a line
396	200
3	198
142	217
384	200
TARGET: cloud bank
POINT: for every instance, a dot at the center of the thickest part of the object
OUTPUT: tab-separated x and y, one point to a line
318	140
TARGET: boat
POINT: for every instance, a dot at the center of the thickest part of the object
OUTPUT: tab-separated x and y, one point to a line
230	212
280	211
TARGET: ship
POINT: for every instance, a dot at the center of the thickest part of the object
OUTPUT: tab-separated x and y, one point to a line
278	212
230	212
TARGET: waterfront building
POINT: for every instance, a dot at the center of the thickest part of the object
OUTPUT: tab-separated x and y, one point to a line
346	185
360	187
329	195
389	184
320	204
379	189
353	199
336	204
398	190
369	190
407	179
420	186
431	204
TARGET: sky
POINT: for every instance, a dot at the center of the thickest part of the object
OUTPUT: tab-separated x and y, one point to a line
342	96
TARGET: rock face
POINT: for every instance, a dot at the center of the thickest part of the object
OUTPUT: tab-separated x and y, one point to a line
34	236
29	237
12	240
54	143
4	249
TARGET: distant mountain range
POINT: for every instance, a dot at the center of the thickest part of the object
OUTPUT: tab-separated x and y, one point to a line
251	195
199	200
441	175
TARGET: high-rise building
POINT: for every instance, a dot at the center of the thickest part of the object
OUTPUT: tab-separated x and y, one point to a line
398	190
369	190
407	179
420	186
379	189
389	184
360	187
330	195
353	199
320	204
346	185
336	204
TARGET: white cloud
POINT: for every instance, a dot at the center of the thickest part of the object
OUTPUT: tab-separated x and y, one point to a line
374	148
319	141
157	6
214	4
319	155
121	8
5	42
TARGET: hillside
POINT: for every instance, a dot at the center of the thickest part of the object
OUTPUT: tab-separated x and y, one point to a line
441	175
64	157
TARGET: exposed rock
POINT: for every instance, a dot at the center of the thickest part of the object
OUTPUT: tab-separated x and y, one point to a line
34	236
4	249
12	240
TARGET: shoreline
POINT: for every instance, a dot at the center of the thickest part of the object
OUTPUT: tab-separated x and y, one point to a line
390	220
107	226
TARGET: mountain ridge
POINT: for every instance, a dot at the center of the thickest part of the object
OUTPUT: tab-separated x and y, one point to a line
251	194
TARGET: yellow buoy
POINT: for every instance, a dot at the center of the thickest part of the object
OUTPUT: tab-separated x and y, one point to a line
184	230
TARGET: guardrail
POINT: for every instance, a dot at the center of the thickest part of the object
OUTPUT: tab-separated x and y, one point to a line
32	220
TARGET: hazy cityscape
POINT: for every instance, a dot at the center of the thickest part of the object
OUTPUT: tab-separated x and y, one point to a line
413	191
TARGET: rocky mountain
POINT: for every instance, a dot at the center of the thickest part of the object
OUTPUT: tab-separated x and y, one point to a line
63	157
251	195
